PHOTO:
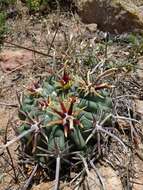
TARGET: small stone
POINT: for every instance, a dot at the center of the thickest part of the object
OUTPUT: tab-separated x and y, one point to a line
91	27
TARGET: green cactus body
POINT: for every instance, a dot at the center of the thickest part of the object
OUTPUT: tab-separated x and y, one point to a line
77	138
87	120
50	105
94	103
90	106
56	139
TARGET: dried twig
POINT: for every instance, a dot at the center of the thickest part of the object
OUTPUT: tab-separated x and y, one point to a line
27	48
53	39
77	176
8	104
8	151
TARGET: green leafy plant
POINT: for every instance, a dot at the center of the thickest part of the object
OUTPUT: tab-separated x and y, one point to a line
33	5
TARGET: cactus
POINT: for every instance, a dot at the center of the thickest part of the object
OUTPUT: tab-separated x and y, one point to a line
64	111
58	117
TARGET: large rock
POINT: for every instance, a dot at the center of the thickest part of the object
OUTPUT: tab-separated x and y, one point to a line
115	16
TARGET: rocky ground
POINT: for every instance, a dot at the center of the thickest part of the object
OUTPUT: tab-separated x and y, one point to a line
36	46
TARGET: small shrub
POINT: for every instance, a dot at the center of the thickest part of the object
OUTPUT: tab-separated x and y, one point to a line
33	5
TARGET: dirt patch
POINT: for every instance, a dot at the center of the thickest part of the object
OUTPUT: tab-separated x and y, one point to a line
6	179
76	46
12	60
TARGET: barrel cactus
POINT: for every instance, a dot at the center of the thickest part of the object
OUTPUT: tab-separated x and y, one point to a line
58	115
